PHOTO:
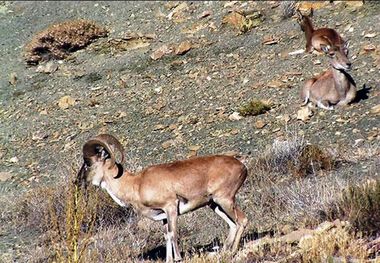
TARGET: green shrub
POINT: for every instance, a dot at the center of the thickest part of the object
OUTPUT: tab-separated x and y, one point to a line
254	107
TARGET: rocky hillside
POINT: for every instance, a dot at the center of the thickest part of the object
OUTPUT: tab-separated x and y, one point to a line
169	78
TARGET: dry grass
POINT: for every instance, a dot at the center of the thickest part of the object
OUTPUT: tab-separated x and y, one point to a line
58	40
339	243
296	157
360	205
76	228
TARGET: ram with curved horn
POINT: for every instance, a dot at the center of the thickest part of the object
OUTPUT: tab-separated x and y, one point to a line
101	147
165	191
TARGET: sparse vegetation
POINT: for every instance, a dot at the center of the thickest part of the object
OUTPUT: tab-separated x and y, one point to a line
91	227
163	108
360	205
254	107
296	157
339	243
58	40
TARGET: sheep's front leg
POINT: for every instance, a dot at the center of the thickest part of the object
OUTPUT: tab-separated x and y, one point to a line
168	238
172	239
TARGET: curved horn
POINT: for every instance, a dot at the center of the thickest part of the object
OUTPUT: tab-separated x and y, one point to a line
108	142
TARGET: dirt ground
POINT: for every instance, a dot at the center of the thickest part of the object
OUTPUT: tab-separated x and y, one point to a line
164	109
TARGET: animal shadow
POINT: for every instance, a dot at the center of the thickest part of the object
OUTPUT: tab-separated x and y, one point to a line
159	252
362	94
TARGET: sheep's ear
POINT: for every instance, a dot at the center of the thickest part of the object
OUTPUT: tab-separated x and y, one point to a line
325	48
311	12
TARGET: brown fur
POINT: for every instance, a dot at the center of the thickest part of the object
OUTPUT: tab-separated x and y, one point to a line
317	37
166	191
335	86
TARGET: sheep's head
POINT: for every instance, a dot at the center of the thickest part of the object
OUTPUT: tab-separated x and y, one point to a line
100	159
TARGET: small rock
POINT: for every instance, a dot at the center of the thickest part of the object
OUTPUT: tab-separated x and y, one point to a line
340	120
296	236
13	78
286	118
65	102
297	52
191	154
160	52
354	4
122	114
158	90
178	9
173	127
235	116
14	160
39	135
304	114
194	147
47	68
275	84
370	35
205	14
183	47
159	127
44	112
239	21
270	40
234	131
260	124
324	227
168	144
358	142
369	47
4	176
231	153
375	110
230	4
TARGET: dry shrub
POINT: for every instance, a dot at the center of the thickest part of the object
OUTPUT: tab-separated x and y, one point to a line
58	40
34	206
279	154
337	245
296	157
70	235
222	257
268	250
281	189
311	159
360	205
298	203
67	219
